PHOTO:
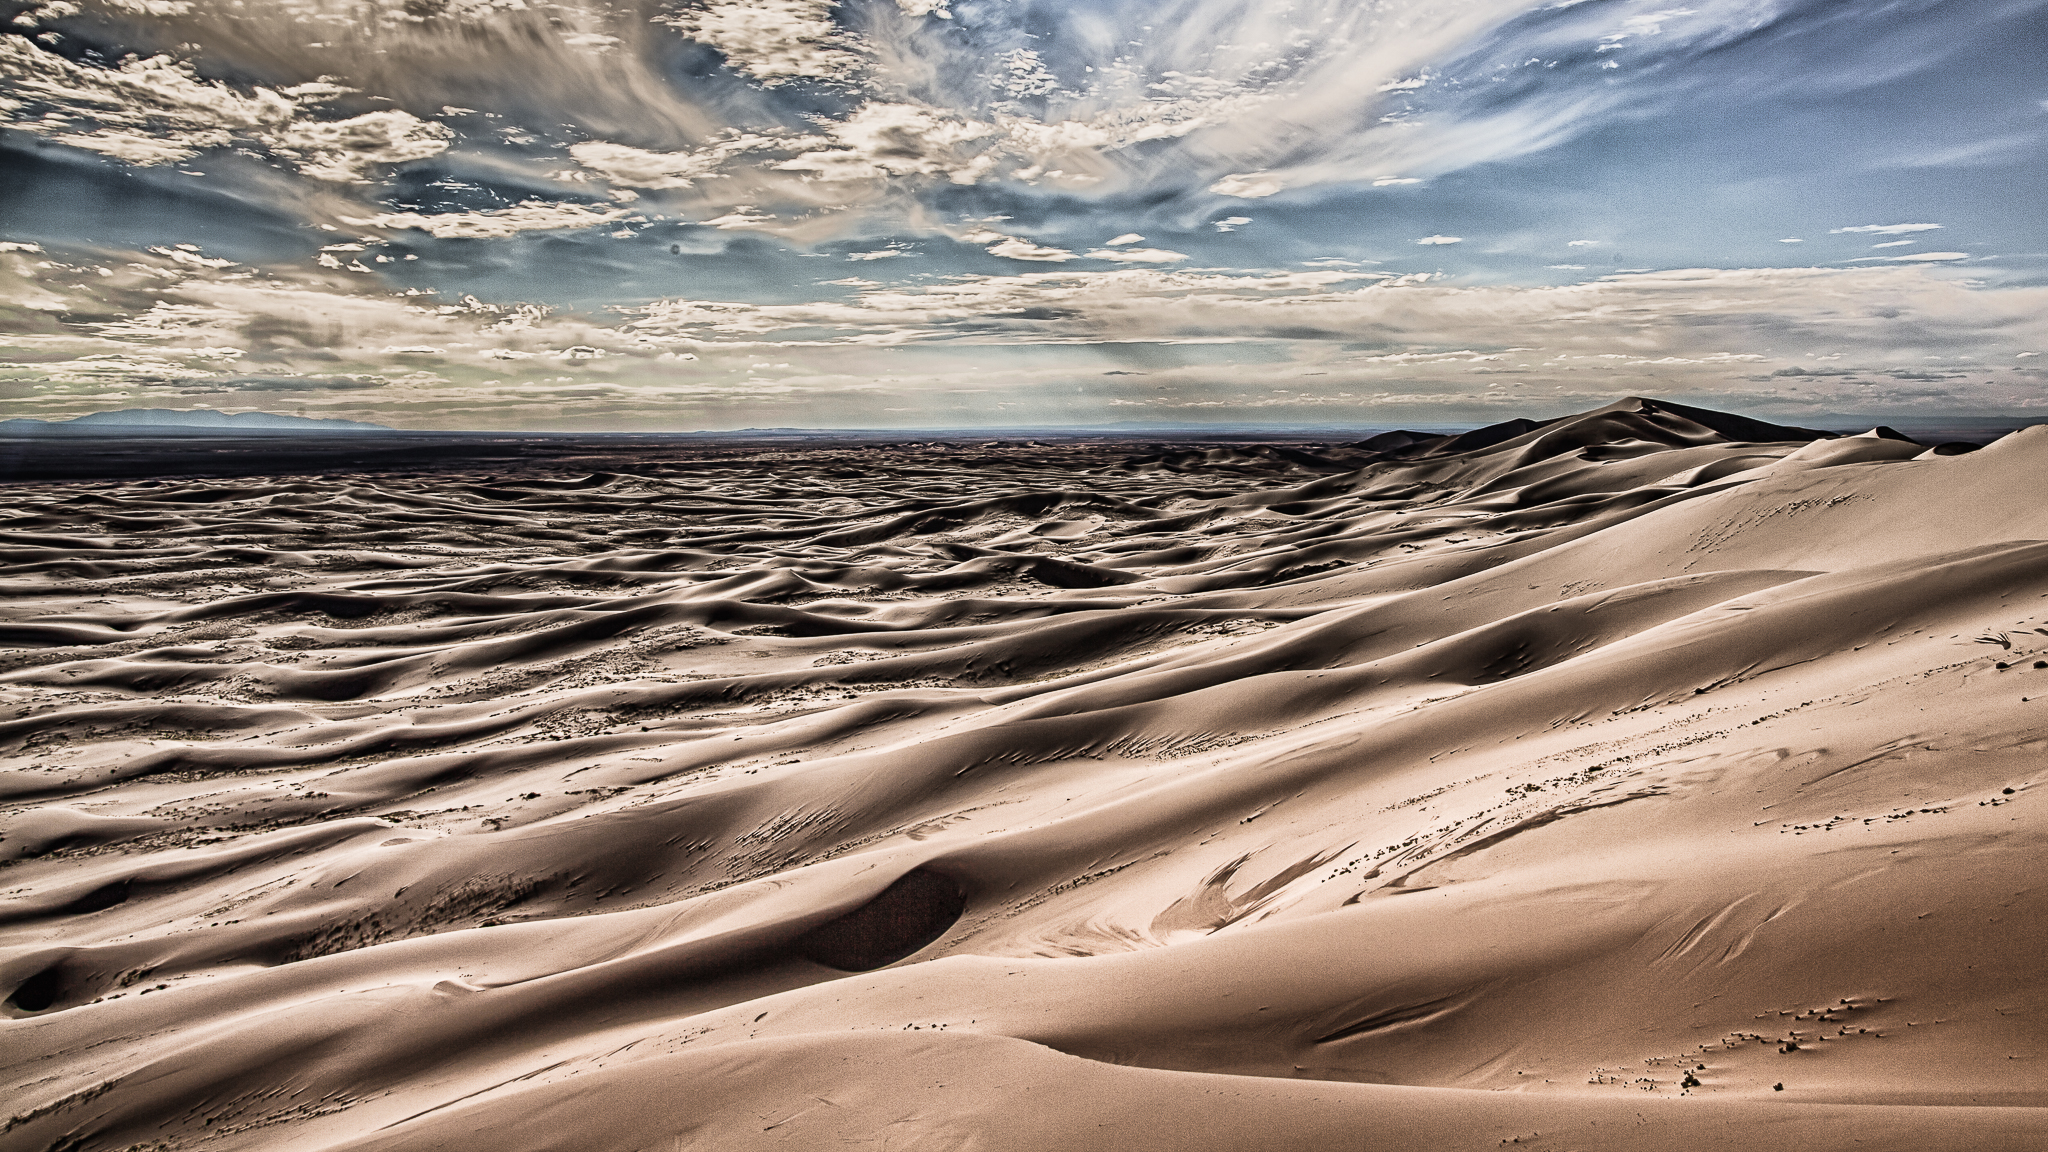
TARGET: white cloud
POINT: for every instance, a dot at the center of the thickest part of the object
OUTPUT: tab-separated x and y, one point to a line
1137	255
1247	185
1126	238
1015	249
773	41
1566	267
158	111
1885	229
1936	256
1793	240
640	168
1244	99
744	216
144	151
878	254
340	150
1231	223
186	323
1441	240
531	216
1681	332
145	112
1585	243
1021	72
1699	316
1894	243
189	254
881	140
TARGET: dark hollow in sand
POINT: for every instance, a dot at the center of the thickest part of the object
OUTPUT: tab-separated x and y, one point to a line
909	914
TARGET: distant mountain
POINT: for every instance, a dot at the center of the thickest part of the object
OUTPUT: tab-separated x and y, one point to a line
129	420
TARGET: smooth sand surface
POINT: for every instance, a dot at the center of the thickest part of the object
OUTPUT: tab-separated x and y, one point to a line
1646	779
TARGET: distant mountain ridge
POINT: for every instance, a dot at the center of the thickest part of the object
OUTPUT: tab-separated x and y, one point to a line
196	420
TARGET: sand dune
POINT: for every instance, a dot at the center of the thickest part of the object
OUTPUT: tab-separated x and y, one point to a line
1651	778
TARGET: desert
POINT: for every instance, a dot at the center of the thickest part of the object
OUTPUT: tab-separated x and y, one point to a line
1650	777
1023	576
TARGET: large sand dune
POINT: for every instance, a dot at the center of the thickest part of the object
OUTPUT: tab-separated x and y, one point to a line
1651	778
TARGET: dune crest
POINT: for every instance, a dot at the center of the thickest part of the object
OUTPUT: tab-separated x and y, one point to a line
1647	778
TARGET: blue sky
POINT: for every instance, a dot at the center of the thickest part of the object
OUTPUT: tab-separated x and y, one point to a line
916	213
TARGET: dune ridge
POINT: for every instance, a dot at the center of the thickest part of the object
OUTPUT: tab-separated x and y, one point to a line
1647	778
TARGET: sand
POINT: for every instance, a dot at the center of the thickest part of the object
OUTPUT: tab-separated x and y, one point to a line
1650	778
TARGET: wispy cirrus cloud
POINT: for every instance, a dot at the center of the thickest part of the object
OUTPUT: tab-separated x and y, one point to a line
1884	229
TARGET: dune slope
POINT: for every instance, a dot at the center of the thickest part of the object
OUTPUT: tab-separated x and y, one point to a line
1651	778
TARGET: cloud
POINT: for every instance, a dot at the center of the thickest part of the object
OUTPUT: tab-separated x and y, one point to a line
303	384
1014	249
341	150
880	106
1584	243
834	124
881	140
1793	240
1137	255
1762	306
159	111
744	216
1378	337
151	111
1974	154
895	101
495	223
1247	185
143	151
1927	256
773	41
639	168
1894	243
1885	229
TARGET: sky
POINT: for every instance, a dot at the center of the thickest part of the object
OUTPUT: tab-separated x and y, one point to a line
717	214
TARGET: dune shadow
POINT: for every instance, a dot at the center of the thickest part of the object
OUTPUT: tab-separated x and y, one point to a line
907	915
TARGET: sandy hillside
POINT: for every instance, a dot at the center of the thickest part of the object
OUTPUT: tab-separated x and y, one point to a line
1651	778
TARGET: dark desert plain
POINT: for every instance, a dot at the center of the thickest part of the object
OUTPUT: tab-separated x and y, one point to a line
1649	778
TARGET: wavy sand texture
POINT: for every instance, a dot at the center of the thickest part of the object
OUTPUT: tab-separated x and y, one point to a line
1650	778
